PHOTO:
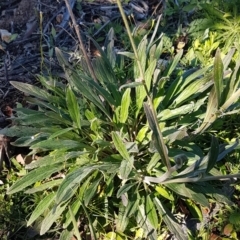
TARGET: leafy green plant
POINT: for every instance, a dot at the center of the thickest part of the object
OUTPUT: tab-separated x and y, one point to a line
113	155
14	209
224	24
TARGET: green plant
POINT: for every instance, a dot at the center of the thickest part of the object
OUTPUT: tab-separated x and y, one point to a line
224	24
113	155
14	209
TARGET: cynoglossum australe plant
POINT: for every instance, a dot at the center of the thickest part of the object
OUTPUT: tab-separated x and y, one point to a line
122	159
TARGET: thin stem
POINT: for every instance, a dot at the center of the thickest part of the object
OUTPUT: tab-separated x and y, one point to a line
132	43
81	45
164	153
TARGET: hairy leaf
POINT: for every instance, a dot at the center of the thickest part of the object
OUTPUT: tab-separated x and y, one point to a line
41	207
173	226
34	176
73	107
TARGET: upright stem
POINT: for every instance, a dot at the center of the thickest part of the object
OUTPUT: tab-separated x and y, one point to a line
133	44
163	152
81	45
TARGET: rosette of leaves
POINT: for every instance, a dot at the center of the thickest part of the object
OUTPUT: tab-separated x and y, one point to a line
116	157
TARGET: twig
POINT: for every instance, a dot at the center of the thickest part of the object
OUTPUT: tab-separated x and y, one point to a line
81	45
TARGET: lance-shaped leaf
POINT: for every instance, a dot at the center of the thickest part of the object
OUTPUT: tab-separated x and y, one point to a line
125	103
119	145
144	221
211	113
213	154
157	135
174	63
34	176
73	107
173	226
41	207
70	184
218	76
151	212
52	216
32	90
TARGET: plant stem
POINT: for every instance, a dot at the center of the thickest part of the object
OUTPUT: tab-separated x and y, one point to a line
81	45
150	104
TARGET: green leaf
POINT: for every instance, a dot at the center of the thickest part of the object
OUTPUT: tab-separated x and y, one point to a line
233	82
218	77
140	91
66	235
173	226
91	190
194	209
81	82
19	131
143	220
163	192
103	93
186	191
59	144
31	90
151	212
174	63
60	132
41	207
34	176
34	119
210	115
125	188
72	181
51	218
227	59
62	59
232	99
44	186
125	103
57	118
225	149
75	207
30	140
157	135
192	91
213	154
180	83
126	168
73	107
76	230
127	54
131	85
122	219
119	145
54	157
